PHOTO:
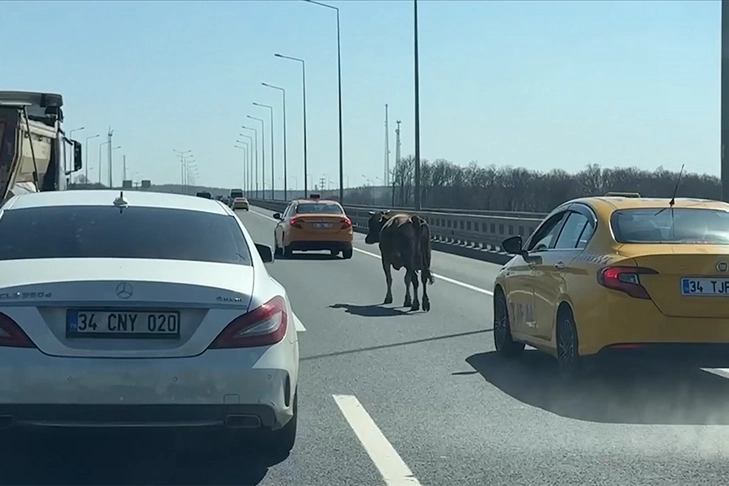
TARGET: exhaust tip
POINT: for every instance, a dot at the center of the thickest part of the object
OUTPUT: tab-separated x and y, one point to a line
242	421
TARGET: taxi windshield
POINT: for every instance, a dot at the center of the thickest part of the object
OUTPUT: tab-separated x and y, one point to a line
681	225
319	209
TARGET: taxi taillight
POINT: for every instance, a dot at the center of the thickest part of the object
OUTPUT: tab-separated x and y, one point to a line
296	222
346	223
625	279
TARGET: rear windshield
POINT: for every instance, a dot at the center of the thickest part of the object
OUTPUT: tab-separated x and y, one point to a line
319	209
684	225
135	232
235	194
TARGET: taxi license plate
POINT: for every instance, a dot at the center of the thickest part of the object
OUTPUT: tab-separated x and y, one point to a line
705	286
122	324
322	225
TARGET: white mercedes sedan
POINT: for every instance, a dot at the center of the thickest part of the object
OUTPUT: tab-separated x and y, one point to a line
142	309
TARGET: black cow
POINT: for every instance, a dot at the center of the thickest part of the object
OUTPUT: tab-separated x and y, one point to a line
404	242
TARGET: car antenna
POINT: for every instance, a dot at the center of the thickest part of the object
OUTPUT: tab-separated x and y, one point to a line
672	202
120	202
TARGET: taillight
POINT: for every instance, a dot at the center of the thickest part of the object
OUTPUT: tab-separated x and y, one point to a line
296	222
625	279
346	223
263	326
11	335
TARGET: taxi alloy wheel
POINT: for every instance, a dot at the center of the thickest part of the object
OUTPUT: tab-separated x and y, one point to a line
347	254
503	340
568	354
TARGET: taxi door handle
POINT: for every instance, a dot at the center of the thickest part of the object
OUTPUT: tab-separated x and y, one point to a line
559	266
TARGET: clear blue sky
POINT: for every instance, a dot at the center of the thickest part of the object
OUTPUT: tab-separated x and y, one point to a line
537	84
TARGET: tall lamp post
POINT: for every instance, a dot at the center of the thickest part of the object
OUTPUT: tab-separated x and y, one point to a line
244	147
418	193
339	89
724	103
249	143
86	149
255	151
263	155
285	149
303	84
273	157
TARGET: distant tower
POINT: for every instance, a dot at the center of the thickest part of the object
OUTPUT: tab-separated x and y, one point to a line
386	179
111	163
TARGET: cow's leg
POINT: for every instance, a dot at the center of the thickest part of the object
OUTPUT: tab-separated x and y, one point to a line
388	280
426	299
408	300
414	279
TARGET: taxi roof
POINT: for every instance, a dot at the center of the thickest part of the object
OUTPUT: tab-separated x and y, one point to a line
614	203
316	201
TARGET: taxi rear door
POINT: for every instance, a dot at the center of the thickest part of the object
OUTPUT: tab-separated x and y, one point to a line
558	263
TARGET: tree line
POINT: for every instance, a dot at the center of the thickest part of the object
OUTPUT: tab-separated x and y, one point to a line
446	185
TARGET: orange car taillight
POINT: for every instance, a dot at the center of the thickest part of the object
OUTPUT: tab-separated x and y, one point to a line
625	279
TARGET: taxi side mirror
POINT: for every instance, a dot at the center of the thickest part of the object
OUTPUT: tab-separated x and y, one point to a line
513	245
265	252
277	216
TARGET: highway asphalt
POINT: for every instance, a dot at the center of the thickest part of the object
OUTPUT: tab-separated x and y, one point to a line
394	398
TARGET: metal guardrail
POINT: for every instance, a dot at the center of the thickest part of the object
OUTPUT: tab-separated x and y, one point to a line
473	235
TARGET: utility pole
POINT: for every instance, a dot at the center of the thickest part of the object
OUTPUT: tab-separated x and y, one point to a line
322	184
416	54
124	167
724	101
111	162
397	158
386	178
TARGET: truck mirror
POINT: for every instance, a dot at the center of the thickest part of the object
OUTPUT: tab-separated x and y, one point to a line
77	156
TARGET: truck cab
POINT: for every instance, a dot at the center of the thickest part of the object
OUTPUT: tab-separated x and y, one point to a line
32	144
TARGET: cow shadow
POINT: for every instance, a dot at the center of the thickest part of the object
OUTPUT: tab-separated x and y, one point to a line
369	310
635	395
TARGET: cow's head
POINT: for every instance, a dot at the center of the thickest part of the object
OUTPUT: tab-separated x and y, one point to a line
375	224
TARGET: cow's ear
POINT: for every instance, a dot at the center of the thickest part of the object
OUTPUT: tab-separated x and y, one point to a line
371	213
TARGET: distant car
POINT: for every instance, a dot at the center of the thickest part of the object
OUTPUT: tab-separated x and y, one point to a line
603	278
313	224
180	327
204	194
240	203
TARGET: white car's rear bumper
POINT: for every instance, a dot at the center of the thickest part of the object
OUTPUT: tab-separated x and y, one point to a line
219	388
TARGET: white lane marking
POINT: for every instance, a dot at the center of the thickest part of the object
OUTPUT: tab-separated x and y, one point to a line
393	469
298	325
438	276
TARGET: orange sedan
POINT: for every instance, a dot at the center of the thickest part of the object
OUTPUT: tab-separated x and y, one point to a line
313	224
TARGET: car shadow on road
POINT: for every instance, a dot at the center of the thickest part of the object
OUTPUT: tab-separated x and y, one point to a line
310	256
636	395
74	459
370	310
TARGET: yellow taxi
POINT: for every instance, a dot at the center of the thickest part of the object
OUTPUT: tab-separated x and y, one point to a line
619	276
313	224
240	203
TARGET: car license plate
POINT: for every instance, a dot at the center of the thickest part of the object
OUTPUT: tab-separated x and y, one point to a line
705	286
122	324
322	225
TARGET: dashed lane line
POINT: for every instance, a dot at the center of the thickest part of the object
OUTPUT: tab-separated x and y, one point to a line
393	469
438	276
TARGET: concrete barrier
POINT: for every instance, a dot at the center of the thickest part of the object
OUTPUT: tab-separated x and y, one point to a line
476	236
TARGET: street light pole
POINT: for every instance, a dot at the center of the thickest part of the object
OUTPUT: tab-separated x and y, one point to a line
339	89
182	154
285	144
255	150
86	149
724	102
417	108
303	84
249	178
101	145
273	157
263	156
244	147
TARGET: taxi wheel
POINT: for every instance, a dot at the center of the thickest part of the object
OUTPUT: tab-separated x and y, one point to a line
568	350
347	254
503	340
276	249
288	252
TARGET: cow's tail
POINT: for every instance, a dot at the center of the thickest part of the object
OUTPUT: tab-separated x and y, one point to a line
425	247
